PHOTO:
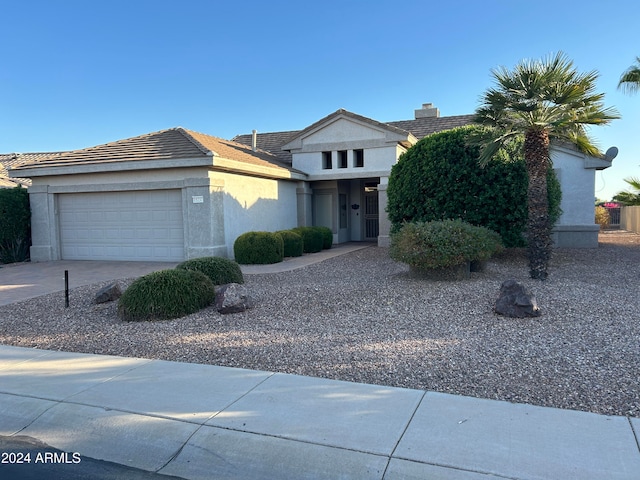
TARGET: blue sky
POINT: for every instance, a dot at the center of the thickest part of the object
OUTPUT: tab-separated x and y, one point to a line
75	74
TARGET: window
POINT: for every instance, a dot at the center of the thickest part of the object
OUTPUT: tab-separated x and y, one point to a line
342	159
358	158
326	161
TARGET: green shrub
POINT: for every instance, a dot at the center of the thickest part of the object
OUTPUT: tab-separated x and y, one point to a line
15	225
166	294
602	217
220	270
442	244
440	178
312	238
253	248
293	244
327	237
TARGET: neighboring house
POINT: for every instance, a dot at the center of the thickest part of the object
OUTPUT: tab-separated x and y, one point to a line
178	194
12	160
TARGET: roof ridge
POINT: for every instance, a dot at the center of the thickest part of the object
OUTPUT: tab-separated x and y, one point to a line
187	134
243	145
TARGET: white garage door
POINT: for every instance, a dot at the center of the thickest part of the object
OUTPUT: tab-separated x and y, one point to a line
140	225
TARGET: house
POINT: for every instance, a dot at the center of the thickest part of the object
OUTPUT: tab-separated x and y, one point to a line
163	196
13	160
178	194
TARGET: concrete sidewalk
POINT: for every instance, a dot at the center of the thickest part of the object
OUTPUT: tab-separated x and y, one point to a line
202	422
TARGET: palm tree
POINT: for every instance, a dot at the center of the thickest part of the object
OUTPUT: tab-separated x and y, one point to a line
540	100
629	198
630	79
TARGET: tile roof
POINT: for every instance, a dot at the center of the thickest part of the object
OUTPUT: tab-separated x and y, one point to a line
180	143
6	182
420	128
238	151
13	160
270	142
174	143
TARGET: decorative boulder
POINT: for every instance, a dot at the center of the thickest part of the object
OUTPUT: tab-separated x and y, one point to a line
233	298
109	293
516	301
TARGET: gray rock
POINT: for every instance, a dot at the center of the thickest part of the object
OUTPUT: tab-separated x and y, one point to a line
233	298
109	293
516	301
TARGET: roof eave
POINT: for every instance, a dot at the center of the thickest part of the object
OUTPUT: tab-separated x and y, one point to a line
234	166
106	166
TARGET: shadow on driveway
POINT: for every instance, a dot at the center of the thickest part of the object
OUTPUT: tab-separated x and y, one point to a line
28	280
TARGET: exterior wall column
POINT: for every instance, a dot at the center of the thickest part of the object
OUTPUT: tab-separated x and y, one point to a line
203	214
44	225
384	225
304	195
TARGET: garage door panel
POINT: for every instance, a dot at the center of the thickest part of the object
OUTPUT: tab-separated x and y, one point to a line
140	225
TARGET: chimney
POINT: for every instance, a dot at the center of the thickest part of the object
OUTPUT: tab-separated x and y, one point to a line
254	140
427	110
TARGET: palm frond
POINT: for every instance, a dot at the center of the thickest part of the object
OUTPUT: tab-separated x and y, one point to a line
634	183
545	94
629	198
630	79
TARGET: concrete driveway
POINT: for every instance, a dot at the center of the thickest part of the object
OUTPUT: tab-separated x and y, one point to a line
21	281
27	280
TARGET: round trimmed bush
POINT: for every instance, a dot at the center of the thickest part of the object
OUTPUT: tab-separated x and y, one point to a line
220	270
440	178
327	237
485	243
442	244
312	239
258	248
293	244
166	294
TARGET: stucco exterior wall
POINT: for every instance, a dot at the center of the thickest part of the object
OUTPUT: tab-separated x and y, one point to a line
256	204
377	162
630	219
343	131
203	220
576	227
578	188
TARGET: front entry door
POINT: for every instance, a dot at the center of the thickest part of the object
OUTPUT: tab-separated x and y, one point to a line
371	221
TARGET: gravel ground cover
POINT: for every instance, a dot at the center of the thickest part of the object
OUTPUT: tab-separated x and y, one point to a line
361	317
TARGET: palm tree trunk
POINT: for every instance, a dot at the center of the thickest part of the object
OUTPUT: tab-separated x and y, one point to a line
536	155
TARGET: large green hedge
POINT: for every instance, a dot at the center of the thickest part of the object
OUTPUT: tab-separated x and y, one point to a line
15	225
253	248
440	178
